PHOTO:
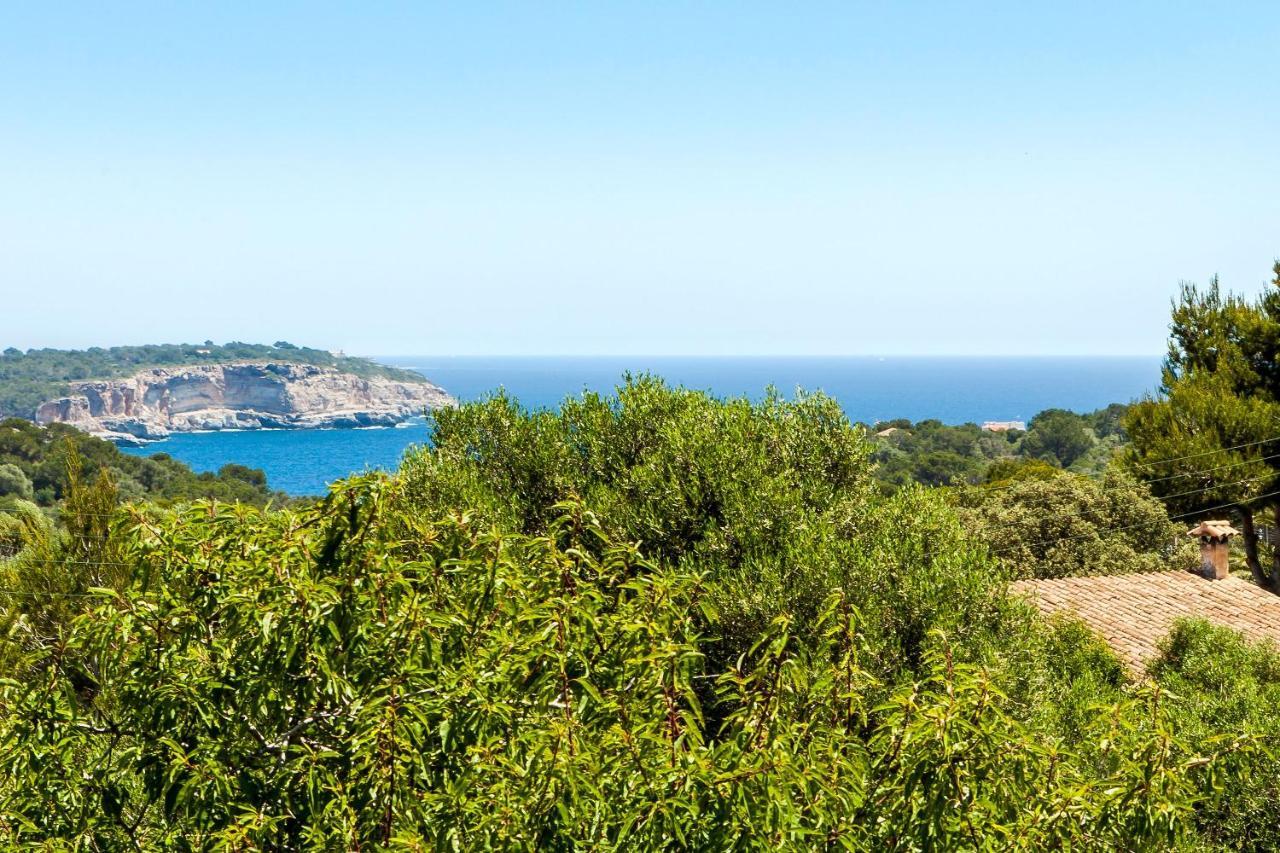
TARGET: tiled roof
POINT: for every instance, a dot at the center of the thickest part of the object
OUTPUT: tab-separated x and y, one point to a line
1133	613
1214	530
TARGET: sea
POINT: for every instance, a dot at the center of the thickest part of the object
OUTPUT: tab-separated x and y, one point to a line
953	390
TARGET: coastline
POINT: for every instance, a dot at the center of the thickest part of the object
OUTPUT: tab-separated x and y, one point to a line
156	403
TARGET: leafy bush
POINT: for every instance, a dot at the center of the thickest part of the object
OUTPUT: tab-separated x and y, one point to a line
1068	525
1003	471
773	501
1229	686
352	677
14	482
16	525
48	570
745	492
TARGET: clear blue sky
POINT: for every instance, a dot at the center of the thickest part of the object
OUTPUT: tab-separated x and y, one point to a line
598	178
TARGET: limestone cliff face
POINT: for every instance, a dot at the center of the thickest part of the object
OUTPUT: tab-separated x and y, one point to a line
156	402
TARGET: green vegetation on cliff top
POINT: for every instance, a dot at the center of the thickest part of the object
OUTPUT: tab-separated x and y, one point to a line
29	378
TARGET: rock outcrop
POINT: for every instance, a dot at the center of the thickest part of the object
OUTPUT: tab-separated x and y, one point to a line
154	403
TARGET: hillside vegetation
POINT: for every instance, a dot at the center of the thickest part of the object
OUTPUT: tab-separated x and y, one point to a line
932	453
32	377
34	459
653	620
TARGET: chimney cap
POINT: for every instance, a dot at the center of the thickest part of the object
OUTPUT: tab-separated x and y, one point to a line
1213	530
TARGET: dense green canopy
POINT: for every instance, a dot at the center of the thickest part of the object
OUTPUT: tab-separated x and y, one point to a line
932	453
651	620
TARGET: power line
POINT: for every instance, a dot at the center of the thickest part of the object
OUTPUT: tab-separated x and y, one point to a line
1205	453
1208	470
1106	530
1027	524
1105	489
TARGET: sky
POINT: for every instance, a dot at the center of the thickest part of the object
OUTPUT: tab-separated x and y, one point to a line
609	178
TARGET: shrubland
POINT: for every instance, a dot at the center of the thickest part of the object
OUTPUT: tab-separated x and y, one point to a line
1041	522
647	620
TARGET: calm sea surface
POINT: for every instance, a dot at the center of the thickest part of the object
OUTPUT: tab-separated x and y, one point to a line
953	390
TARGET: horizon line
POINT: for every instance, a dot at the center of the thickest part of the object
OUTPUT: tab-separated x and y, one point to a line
756	355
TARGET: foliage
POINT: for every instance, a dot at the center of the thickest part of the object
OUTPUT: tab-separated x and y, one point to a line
15	525
1209	442
1060	670
49	569
14	482
29	378
1108	422
742	491
1230	685
1057	436
934	454
773	501
655	620
1004	471
1068	525
351	676
40	456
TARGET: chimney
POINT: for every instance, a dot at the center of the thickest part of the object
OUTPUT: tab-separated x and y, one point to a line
1215	545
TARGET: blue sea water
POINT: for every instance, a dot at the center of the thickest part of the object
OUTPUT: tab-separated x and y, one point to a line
953	390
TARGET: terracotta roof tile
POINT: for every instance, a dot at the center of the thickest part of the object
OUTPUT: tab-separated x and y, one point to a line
1133	613
1213	529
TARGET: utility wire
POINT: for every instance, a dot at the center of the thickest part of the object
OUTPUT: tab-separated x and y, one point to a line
1215	487
1105	530
1205	453
1015	483
1201	471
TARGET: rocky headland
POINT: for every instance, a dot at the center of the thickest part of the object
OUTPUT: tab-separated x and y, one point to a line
156	402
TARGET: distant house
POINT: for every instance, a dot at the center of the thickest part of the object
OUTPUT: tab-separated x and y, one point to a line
1134	613
885	433
1004	426
203	351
